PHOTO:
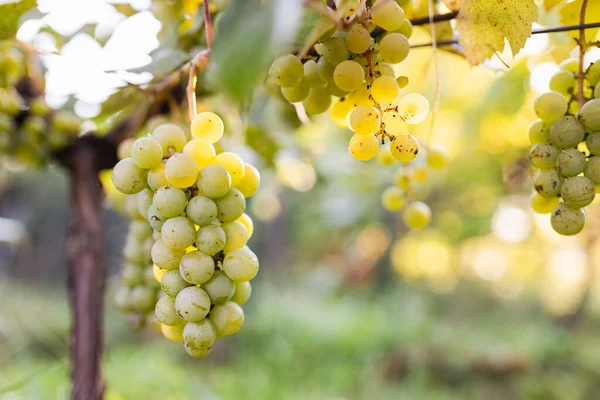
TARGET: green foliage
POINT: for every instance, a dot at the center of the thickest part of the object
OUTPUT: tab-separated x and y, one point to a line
10	16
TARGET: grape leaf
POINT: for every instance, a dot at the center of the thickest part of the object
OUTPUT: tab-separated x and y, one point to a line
9	16
550	4
569	15
484	24
163	60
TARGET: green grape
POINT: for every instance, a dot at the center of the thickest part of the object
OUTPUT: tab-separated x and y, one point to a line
201	210
364	120
173	333
210	239
543	155
219	288
165	311
592	169
358	39
593	74
203	153
543	205
64	121
569	65
437	158
172	282
243	291
388	15
384	156
566	132
318	101
200	335
155	218
348	75
597	91
333	90
548	182
404	147
236	235
156	177
578	191
131	207
593	143
298	93
539	132
178	233
335	50
393	199
146	152
250	182
124	148
363	147
149	278
171	137
394	48
140	229
169	201
207	126
247	222
385	69
197	267
192	352
144	201
417	215
550	106
231	206
287	70
570	162
128	178
241	264
589	115
122	298
234	165
406	29
181	171
413	108
165	257
566	220
192	304
563	82
142	298
131	275
214	181
384	89
228	318
325	70
311	75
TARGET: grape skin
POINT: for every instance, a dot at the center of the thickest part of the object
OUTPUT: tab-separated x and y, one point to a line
178	233
358	39
128	177
214	181
146	153
181	170
417	215
201	210
317	102
548	183
228	318
219	288
566	132
196	267
236	235
192	304
171	137
393	199
169	201
578	192
233	164
210	239
164	256
570	162
539	132
543	155
404	147
287	71
566	220
589	115
250	182
241	265
242	293
363	147
165	311
172	283
592	170
200	335
543	205
413	108
231	206
388	15
348	75
207	126
550	106
394	48
384	89
364	120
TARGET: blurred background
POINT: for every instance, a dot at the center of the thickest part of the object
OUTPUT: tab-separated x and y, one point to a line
486	303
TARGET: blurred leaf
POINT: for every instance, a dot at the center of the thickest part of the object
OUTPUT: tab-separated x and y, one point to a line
452	5
164	60
10	14
508	93
569	15
550	4
122	98
250	35
262	143
310	20
484	24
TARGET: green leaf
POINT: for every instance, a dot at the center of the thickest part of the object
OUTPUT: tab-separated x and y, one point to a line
164	60
10	14
484	24
248	36
508	93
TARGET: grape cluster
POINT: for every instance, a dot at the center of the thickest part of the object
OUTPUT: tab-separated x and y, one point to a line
357	70
191	203
29	130
566	147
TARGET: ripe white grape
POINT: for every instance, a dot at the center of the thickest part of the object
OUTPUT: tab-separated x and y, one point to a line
384	156
563	82
142	298
173	333
539	132
388	15
543	205
165	311
593	73
387	70
200	335
128	178
566	220
287	70
172	283
358	39
393	199
181	170
146	152
578	191
335	50
250	182
384	89
247	222
325	70
569	65
592	169
236	235
171	137
592	143
311	75
406	29
210	239
363	147
214	181
165	257
144	201
298	93
318	101
131	274
417	215
231	206
413	108
241	264
207	126
203	153
156	177
550	106
548	183
437	158
196	267
219	287
404	147
169	201
201	210
178	233
543	155
228	318
348	75
192	304
233	164
139	229
196	353
570	162
364	120
394	48
243	291
566	132
589	115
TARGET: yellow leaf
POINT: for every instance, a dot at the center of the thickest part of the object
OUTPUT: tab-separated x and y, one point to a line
550	4
484	24
569	15
453	5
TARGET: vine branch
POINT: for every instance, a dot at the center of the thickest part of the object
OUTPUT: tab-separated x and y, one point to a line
582	47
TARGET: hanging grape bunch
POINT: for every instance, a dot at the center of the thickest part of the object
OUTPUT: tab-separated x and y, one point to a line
190	231
29	129
355	72
566	147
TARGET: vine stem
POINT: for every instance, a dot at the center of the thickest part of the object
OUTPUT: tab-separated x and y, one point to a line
582	47
436	99
202	56
208	26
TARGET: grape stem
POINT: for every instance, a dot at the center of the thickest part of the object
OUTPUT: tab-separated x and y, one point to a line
200	61
582	47
208	26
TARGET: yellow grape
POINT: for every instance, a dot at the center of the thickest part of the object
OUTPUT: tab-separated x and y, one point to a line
318	101
393	199
393	122
207	126
174	333
364	120
413	108
351	6
394	48
236	235
384	156
181	171
363	147
233	164
124	149
250	182
203	153
544	205
334	90
348	75
437	158
358	39
385	69
156	177
362	96
384	89
404	147
417	215
339	112
296	94
158	273
311	75
247	222
420	174
402	81
388	15
570	65
287	70
171	137
402	179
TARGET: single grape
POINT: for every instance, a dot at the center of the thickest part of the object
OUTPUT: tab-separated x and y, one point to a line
593	143
173	333
417	215
201	210
404	147
318	101
566	132
233	164
203	153
247	222
140	229
333	90
325	70
348	75
550	106
210	239
570	162
236	235
358	39
543	155
146	152
362	96
144	201
539	132
165	311
548	183
178	233
219	288
566	220
311	75
207	126
420	174
197	267
142	298
230	206
563	82
156	177
287	70
569	65
335	50
388	15
165	257
384	89
243	291
128	178
131	275
171	137
385	69
437	158
298	93
192	304
384	156
241	264
413	108
228	318
543	205
169	201
196	353
578	191
394	48
593	74
589	115
597	91
181	171
250	182
363	147
364	120
393	199
172	282
214	181
592	169
406	29
200	335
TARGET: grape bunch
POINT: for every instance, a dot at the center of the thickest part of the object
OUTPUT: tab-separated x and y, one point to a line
191	203
566	147
357	71
30	131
